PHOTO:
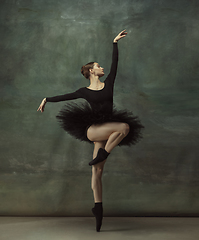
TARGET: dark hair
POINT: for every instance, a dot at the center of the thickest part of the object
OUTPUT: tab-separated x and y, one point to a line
85	69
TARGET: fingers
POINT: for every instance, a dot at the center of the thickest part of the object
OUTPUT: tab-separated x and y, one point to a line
123	32
121	35
40	109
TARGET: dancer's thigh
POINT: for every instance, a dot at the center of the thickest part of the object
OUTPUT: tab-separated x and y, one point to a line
101	132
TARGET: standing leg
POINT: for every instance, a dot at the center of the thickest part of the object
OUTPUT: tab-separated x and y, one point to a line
96	185
97	169
106	135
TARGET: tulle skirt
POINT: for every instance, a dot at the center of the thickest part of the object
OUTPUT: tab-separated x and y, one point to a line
75	119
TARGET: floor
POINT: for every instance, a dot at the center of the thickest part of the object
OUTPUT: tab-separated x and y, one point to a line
117	228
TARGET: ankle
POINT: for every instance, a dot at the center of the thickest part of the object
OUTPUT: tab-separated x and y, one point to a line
98	204
101	156
107	150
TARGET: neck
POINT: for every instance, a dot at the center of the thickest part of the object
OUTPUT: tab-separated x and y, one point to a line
95	82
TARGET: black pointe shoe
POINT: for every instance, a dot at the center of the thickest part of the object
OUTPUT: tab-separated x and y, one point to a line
101	156
98	213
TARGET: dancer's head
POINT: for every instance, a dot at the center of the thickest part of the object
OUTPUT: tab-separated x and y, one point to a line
92	68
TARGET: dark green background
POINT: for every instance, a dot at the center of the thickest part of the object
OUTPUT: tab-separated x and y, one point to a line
43	44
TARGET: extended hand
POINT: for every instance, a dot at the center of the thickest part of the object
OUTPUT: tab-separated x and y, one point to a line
42	105
120	35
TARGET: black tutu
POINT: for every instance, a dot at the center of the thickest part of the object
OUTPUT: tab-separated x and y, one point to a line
75	119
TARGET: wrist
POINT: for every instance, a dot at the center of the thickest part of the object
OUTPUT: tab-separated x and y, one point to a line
44	100
114	41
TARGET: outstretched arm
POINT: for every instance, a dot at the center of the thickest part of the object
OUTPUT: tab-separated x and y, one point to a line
68	96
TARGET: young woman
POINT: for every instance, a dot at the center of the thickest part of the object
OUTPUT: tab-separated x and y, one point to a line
98	122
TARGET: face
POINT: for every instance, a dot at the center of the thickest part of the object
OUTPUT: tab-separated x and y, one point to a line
97	70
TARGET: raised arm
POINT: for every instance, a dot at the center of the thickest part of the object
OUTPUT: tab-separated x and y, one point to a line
113	71
59	98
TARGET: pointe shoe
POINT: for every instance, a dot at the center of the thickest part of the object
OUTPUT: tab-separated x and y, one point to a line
101	156
98	213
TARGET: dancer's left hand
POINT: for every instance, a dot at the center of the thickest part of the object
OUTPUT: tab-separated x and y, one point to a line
120	35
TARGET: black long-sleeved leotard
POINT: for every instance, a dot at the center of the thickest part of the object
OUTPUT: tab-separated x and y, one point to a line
100	100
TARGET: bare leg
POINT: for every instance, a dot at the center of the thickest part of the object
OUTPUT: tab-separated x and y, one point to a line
113	132
105	136
114	139
96	185
97	170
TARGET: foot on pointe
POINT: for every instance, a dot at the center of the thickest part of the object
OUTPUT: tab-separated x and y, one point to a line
98	213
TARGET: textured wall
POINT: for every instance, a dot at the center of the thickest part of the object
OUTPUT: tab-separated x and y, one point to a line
44	171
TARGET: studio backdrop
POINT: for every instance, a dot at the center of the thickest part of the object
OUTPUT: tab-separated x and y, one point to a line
43	170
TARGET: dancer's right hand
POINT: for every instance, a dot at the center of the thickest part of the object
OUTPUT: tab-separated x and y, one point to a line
42	105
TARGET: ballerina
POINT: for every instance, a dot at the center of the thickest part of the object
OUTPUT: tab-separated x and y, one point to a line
98	121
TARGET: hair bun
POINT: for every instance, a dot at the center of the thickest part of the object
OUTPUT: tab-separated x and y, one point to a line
85	69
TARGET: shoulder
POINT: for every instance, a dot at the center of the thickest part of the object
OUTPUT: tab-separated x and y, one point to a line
81	91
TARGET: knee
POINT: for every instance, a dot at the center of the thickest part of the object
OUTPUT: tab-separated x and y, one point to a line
96	176
125	128
97	170
90	134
